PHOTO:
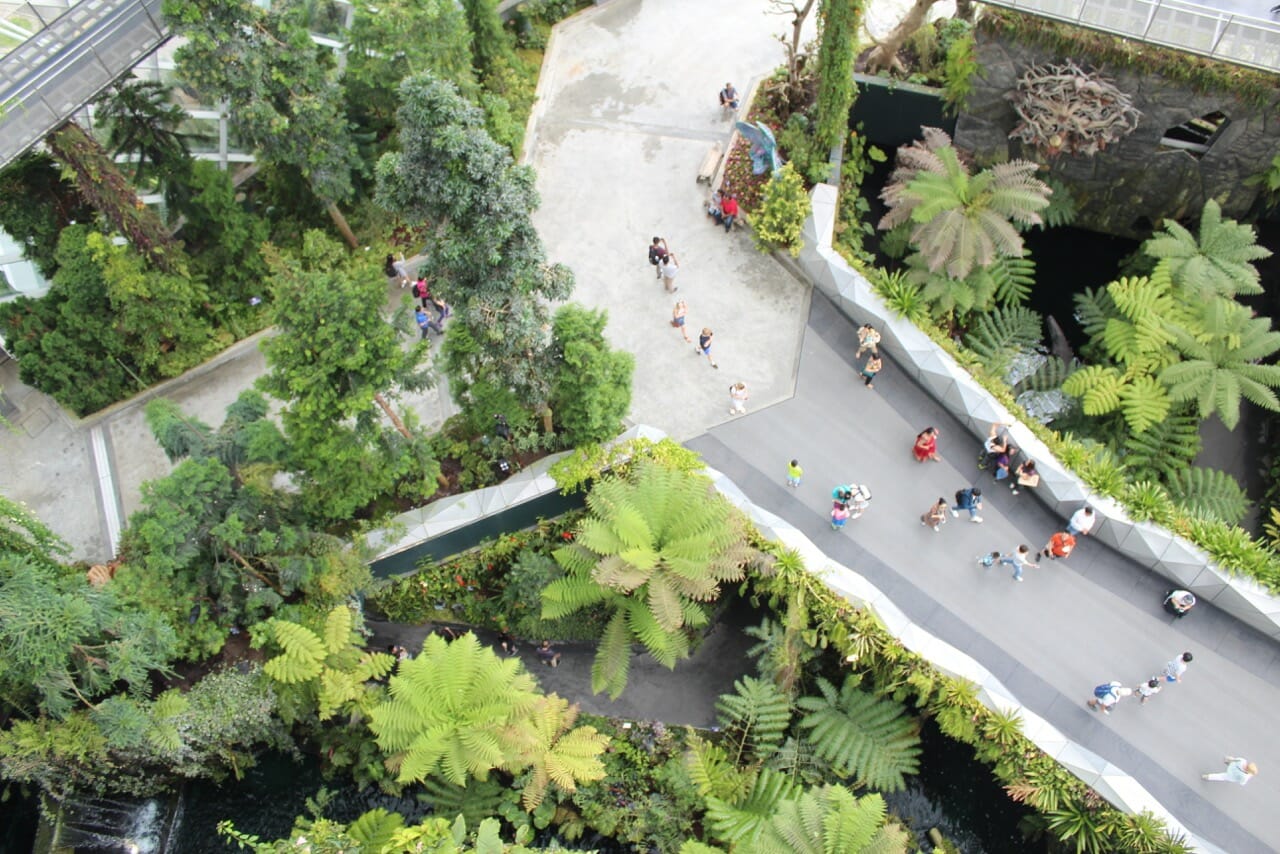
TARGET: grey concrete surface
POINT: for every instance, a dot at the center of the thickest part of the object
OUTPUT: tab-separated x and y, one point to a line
1067	627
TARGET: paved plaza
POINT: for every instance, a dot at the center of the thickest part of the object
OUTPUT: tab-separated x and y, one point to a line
627	110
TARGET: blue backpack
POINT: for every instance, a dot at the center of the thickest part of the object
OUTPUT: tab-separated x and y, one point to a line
1103	690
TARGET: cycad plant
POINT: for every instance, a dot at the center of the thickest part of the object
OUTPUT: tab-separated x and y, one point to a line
654	549
960	220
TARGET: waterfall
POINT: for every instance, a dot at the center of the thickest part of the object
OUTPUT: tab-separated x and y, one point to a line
93	825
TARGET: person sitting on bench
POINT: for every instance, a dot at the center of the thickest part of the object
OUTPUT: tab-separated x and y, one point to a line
728	210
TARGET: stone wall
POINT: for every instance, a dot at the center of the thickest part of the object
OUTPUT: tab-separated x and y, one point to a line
1135	184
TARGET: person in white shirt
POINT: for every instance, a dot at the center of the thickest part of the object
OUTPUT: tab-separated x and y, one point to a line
1174	669
1239	771
1081	522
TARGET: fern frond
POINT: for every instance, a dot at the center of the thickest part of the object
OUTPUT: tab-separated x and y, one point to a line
998	336
756	716
337	629
613	657
862	735
1164	449
743	823
1209	494
713	774
302	655
374	829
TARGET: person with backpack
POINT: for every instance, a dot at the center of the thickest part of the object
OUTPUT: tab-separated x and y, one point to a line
657	251
1106	695
728	98
970	499
422	291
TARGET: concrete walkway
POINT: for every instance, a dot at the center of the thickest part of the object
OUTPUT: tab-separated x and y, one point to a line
627	109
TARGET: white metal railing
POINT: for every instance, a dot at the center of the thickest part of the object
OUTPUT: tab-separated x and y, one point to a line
1222	33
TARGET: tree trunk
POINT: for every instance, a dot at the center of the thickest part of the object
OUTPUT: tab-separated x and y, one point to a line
395	419
793	50
341	222
885	54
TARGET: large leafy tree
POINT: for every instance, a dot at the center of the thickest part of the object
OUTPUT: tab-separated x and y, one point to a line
960	220
142	120
458	711
281	89
654	550
215	545
399	39
591	393
337	366
102	185
109	325
64	643
487	256
36	203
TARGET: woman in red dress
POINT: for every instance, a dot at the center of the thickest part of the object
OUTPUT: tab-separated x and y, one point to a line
926	446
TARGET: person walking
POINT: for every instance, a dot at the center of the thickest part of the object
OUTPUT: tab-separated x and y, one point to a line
670	268
870	369
1025	475
868	339
1106	695
1239	771
1081	522
1059	546
1147	690
677	318
425	323
970	499
1174	670
704	345
936	516
839	515
738	399
926	445
794	474
657	251
1019	560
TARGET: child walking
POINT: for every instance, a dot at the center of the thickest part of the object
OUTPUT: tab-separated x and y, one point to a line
794	473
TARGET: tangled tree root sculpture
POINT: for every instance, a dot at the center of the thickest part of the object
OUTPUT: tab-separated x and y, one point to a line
1064	108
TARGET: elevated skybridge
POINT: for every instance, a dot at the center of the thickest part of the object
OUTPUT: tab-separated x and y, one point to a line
1243	32
68	62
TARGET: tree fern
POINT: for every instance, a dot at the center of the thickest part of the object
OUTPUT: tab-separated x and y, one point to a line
862	735
1013	278
1209	494
1221	365
1062	206
829	820
1000	335
1218	261
755	717
554	751
302	653
475	801
1164	449
798	760
743	822
374	829
655	545
714	774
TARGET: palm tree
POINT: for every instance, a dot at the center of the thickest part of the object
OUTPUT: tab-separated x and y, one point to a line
141	119
654	549
961	220
1218	261
1223	365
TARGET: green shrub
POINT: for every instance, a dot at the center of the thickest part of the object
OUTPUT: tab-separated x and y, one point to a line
958	71
783	209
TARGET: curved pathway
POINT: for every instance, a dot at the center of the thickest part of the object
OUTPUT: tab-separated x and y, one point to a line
627	109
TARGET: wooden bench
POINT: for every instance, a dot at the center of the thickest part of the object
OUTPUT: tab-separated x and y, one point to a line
710	164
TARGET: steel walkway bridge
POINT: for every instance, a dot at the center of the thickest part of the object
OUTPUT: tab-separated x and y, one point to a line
65	65
1243	32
